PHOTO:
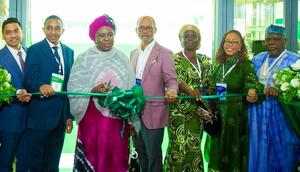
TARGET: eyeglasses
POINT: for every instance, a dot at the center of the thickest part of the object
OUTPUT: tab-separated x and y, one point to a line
142	28
233	43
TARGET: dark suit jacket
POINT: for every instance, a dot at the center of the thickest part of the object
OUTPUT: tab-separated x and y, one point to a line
12	116
45	113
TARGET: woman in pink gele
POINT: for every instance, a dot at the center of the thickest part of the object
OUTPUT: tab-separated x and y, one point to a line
99	145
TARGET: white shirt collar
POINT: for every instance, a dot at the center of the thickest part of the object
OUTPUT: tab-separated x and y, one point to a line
148	47
52	45
14	52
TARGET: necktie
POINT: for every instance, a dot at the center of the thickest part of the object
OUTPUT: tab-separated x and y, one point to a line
58	59
21	60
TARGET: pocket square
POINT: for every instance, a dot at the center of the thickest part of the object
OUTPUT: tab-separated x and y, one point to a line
154	61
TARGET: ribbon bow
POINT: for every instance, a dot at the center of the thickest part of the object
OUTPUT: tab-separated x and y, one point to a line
124	105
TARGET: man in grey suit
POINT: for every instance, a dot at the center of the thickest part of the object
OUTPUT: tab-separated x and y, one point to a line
155	71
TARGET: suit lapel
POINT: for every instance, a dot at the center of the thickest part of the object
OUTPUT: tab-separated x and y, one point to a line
11	62
48	52
151	59
12	67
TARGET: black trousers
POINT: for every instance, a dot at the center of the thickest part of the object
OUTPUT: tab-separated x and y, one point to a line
148	145
45	148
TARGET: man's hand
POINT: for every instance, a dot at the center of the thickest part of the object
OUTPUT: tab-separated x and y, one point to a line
69	125
171	95
271	91
46	90
23	96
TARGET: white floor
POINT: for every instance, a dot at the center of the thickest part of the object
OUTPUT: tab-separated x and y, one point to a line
66	161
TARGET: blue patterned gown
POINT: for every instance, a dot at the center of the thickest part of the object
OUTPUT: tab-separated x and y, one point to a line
273	145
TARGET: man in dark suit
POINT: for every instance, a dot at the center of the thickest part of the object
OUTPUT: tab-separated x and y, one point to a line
47	70
13	116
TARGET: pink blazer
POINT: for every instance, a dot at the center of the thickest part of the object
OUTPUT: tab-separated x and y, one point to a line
159	74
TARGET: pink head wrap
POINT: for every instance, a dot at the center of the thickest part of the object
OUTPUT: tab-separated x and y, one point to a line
99	22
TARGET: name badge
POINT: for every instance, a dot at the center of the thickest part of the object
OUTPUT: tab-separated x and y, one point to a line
221	89
57	82
138	81
202	90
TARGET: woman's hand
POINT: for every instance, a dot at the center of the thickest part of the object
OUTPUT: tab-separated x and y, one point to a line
102	88
252	96
196	94
190	91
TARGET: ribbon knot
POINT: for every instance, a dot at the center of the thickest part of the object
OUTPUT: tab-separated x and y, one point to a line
125	105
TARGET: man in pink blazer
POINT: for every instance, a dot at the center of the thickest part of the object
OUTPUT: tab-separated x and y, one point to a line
155	71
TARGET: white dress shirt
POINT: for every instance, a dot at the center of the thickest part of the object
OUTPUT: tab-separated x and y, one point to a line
14	52
142	59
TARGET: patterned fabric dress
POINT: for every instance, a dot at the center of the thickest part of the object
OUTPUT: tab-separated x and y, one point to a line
185	130
273	144
229	152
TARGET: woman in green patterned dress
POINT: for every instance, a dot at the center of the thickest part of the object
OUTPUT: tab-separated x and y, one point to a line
229	152
185	131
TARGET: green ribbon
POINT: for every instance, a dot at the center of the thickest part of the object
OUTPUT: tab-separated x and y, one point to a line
154	97
124	105
146	97
128	104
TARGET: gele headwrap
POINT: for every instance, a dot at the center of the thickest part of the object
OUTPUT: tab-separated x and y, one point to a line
192	28
189	27
275	29
99	22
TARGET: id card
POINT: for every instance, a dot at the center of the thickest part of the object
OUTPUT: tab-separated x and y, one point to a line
202	90
221	89
57	82
138	81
